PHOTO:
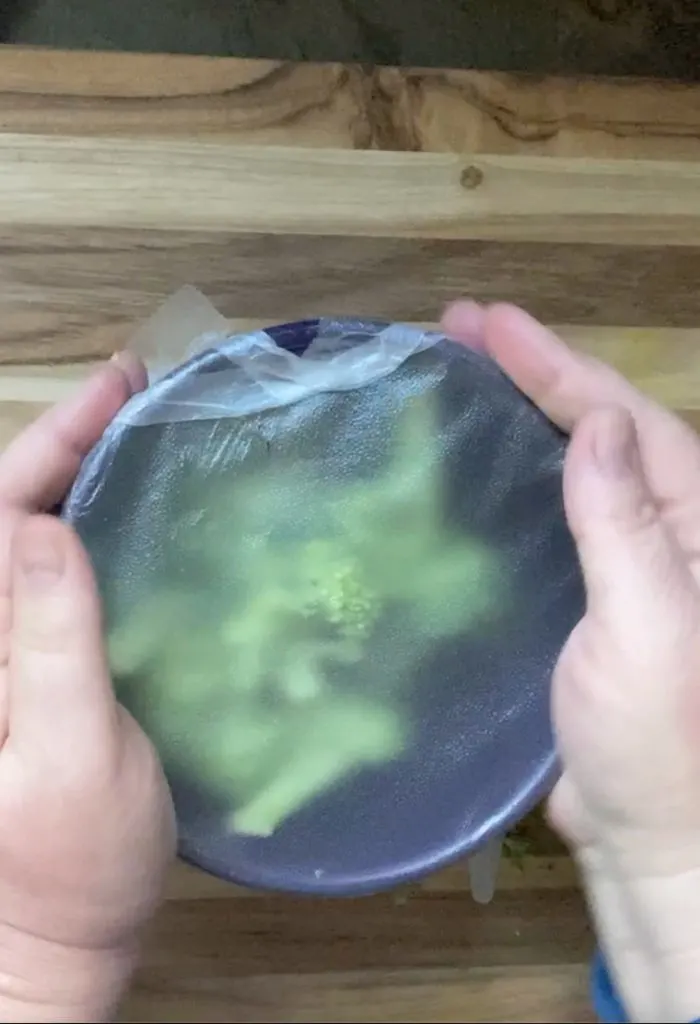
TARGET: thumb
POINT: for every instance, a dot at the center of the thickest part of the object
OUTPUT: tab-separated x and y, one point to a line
60	691
633	566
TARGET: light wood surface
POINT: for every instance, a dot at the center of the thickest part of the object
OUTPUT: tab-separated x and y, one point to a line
195	185
283	191
349	107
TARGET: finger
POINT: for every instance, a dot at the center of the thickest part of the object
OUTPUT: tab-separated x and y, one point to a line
60	693
637	579
567	814
563	383
37	469
463	321
567	385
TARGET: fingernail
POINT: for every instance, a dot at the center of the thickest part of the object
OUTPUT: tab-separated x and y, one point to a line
41	555
615	442
463	321
132	368
468	313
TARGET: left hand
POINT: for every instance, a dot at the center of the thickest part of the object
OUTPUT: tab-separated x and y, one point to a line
86	820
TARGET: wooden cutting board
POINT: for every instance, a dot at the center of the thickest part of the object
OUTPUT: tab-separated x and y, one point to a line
283	191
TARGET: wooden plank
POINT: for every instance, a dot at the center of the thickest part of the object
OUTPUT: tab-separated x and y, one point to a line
547	994
436	958
478	112
152	95
49	92
75	294
281	935
68	182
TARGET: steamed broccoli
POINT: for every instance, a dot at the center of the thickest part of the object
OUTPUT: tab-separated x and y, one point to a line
293	670
338	591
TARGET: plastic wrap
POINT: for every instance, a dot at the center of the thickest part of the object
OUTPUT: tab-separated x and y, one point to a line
336	575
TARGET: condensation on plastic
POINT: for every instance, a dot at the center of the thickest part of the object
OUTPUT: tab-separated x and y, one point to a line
199	371
254	374
483	751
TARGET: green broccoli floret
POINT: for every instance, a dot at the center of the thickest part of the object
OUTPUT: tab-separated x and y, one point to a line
259	698
336	589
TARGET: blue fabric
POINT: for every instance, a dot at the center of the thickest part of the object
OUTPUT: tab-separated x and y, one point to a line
606	1004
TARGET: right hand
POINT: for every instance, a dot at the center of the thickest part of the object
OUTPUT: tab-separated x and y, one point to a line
626	693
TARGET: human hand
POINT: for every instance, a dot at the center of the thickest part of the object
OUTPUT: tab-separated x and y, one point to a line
626	691
86	821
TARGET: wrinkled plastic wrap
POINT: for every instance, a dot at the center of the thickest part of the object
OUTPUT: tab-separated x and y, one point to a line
336	576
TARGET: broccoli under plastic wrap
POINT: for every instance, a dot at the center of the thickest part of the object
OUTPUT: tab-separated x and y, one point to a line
261	692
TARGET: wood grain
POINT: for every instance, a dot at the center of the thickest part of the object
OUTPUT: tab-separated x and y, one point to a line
195	185
547	994
284	191
75	295
435	958
478	112
435	929
263	102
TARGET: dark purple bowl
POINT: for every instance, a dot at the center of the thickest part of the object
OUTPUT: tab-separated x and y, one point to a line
484	752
